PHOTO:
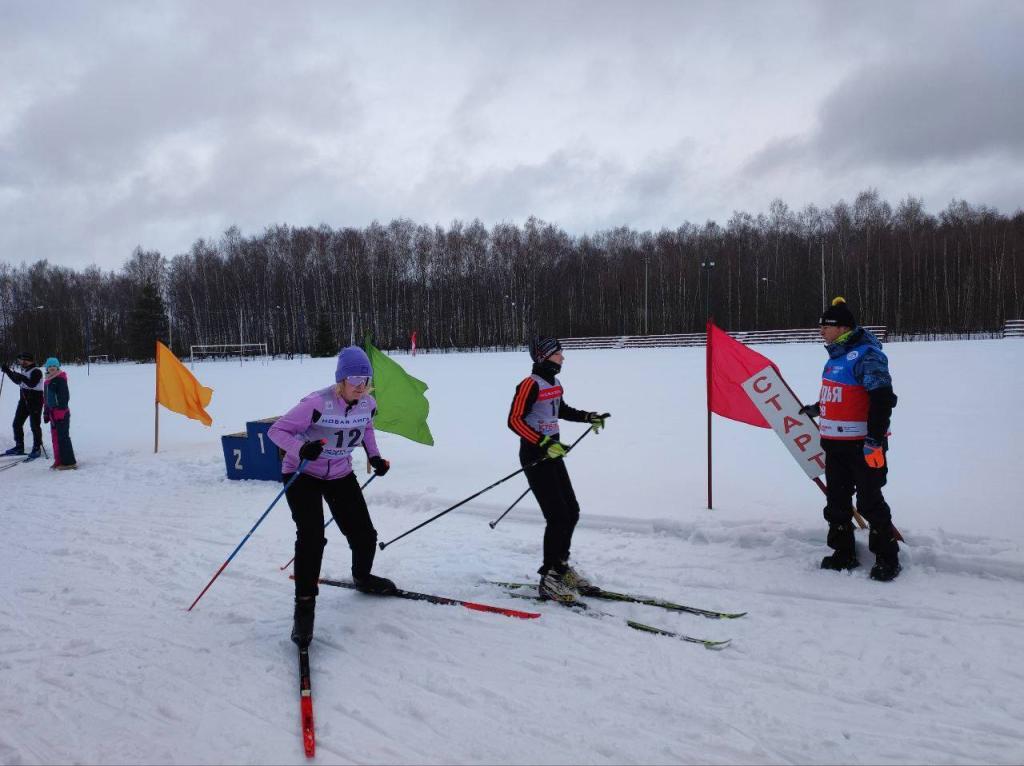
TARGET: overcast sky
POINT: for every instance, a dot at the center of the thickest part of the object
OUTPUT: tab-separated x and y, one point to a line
157	123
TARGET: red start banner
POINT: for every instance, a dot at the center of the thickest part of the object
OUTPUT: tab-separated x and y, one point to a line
780	407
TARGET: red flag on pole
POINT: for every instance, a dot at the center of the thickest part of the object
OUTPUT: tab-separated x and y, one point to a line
729	364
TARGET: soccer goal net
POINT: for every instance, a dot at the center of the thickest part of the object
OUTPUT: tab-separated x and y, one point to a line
239	351
98	358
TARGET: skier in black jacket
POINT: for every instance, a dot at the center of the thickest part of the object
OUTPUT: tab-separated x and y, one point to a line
30	403
536	409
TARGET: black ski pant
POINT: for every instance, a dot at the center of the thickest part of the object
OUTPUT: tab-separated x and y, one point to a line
345	499
550	483
30	408
847	473
60	436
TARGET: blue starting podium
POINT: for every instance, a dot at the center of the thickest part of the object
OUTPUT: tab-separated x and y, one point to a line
250	454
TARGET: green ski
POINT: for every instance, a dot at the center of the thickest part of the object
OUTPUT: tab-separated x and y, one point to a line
610	595
584	608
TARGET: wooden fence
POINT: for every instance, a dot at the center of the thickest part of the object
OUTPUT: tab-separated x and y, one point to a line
750	337
1014	328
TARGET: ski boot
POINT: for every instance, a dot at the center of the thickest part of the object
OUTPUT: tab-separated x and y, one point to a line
302	627
378	586
578	582
553	586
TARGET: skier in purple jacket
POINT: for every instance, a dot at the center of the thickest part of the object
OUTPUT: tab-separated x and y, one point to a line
323	429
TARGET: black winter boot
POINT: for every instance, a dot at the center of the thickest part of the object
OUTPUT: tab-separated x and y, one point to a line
369	583
302	627
886	568
840	561
840	536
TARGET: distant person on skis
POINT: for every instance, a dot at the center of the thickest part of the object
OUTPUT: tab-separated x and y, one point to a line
536	409
57	414
30	403
855	405
323	429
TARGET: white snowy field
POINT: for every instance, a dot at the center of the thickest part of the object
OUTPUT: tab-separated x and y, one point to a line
101	663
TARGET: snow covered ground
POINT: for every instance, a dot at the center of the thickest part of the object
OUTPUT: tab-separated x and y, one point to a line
101	663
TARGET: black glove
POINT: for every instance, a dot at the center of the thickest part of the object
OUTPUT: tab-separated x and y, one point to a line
380	465
311	450
811	410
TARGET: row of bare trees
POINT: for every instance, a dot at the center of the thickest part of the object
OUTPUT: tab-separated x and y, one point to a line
463	286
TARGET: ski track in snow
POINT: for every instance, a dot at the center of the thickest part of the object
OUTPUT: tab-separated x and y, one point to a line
101	662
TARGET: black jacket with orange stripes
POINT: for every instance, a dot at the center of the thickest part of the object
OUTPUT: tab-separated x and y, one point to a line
524	398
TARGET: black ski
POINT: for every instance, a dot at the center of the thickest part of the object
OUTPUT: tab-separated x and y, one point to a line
584	608
444	600
13	463
610	595
306	703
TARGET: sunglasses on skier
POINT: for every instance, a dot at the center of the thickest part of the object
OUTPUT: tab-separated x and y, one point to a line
357	381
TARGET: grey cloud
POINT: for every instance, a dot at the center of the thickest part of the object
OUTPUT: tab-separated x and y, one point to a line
956	96
577	189
159	123
141	97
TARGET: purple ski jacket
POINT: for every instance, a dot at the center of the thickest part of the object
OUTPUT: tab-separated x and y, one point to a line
324	415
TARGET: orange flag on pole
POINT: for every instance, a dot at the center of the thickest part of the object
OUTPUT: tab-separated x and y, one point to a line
178	390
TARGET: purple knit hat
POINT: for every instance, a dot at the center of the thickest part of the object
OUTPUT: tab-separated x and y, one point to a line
352	361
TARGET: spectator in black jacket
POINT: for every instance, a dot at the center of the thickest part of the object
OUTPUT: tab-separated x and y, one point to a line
30	403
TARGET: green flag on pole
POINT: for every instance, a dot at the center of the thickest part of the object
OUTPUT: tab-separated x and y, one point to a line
401	406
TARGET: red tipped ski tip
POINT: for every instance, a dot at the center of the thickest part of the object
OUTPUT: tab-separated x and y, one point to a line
499	610
308	732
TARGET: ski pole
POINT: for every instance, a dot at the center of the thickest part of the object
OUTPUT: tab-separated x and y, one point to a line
298	472
485	489
328	522
493	524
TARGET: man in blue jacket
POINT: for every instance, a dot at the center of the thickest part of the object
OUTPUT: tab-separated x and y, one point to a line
855	405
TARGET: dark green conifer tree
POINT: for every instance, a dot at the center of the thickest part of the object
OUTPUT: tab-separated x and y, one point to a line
147	323
324	343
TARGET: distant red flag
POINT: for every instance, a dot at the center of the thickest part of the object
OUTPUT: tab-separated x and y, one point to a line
729	363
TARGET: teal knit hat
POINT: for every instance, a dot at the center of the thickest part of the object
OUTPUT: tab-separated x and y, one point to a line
52	362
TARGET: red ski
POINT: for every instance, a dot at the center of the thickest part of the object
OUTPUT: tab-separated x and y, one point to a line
414	596
306	696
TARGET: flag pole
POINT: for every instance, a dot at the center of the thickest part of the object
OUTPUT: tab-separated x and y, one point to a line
707	344
156	403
